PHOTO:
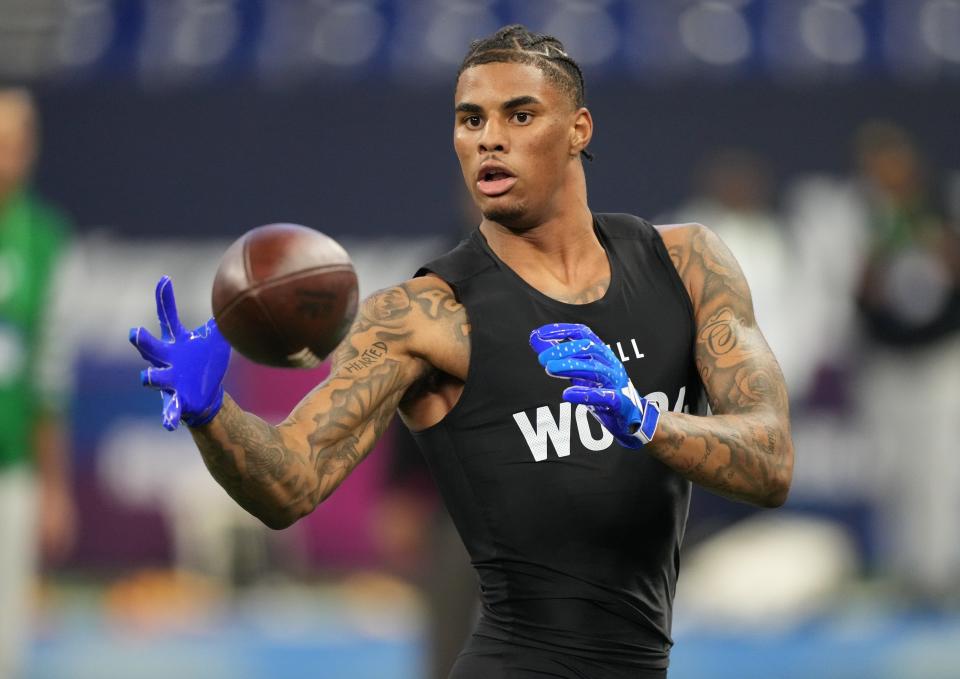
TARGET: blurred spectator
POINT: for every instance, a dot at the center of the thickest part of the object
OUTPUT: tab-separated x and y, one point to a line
418	536
882	260
35	500
909	301
909	293
734	198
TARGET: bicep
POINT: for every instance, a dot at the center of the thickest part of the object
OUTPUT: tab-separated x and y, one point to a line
343	417
738	369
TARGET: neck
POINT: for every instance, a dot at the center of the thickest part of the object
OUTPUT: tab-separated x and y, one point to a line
563	247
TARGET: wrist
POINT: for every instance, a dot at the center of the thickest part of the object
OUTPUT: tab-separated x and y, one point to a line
647	428
640	418
207	415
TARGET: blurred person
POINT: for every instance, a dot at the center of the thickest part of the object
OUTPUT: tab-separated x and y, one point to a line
420	536
909	293
576	551
908	298
419	541
35	497
734	195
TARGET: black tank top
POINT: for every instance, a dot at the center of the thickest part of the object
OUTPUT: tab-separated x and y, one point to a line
575	539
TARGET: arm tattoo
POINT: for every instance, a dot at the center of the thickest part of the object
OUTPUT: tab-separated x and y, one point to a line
281	473
745	450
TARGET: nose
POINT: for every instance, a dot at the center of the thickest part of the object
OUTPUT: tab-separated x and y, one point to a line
493	138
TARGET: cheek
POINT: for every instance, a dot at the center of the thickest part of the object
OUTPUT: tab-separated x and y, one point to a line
546	153
460	147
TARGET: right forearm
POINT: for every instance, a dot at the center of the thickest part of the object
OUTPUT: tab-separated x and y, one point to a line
257	468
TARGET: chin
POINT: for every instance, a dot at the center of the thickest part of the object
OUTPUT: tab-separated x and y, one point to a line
511	215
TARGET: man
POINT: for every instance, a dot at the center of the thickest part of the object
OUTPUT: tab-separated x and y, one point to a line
575	537
35	498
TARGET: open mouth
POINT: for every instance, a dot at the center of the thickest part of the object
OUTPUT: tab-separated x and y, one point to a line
495	181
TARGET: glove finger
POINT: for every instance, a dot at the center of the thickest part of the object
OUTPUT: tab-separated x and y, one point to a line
170	326
548	335
600	398
171	410
208	329
593	371
157	378
149	346
538	343
567	331
582	349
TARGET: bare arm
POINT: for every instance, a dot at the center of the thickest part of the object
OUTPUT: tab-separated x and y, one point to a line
57	518
744	451
282	473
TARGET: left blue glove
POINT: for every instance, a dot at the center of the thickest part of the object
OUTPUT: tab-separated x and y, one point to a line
188	366
600	382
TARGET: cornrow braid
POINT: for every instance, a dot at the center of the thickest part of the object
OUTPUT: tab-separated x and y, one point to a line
516	44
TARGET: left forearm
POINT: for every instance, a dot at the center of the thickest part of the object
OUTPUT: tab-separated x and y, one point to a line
744	456
57	515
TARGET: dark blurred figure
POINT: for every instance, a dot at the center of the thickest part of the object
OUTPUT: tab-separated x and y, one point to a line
909	302
36	506
910	290
733	192
734	195
418	536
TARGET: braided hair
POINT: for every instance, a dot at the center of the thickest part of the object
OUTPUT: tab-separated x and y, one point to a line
516	44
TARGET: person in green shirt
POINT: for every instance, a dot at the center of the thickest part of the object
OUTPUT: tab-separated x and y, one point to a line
36	507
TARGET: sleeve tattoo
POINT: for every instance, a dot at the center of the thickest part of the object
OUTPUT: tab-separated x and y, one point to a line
282	473
744	451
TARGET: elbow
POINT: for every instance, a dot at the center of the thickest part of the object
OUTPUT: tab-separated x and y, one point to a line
777	496
283	517
278	522
779	487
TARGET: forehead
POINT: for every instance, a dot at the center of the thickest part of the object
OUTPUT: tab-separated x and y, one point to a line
489	85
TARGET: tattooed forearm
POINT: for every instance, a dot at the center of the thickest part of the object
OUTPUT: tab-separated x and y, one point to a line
281	473
737	456
744	451
250	460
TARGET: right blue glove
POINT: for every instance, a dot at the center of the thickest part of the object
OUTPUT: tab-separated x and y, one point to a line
188	366
600	382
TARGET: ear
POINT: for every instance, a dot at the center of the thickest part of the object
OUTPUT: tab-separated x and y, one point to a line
581	132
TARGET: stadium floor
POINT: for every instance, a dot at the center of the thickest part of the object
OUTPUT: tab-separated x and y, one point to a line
323	633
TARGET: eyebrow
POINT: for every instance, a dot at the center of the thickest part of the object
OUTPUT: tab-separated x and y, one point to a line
525	100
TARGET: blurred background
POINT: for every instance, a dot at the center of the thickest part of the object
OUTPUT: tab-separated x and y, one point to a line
819	138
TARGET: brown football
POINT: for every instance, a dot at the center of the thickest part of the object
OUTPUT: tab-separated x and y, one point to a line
285	295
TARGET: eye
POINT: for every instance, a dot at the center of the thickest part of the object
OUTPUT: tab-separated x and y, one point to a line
522	117
472	121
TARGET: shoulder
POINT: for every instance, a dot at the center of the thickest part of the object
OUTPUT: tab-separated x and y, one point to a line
408	301
419	322
679	237
463	262
422	311
705	264
625	226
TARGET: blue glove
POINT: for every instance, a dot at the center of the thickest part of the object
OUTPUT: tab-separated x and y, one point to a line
600	382
188	367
